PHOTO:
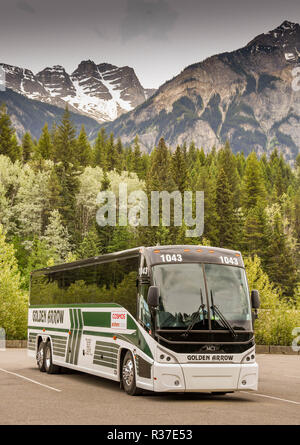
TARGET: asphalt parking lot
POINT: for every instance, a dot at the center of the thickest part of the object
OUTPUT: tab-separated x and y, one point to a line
30	397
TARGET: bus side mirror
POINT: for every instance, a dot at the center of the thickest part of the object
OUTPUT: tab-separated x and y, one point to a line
153	296
255	301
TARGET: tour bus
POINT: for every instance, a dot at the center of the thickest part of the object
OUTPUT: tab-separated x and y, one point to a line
167	318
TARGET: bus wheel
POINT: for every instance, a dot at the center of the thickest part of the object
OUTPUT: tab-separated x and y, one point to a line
128	376
40	357
49	367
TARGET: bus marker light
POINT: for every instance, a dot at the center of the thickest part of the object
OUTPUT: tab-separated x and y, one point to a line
114	337
211	251
199	250
237	254
156	251
69	332
44	330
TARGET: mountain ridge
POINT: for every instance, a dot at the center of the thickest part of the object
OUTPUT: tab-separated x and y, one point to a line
244	96
102	92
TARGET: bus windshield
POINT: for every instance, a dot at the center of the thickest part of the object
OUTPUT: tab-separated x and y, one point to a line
183	297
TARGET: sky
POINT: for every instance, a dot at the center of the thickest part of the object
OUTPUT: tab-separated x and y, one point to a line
158	38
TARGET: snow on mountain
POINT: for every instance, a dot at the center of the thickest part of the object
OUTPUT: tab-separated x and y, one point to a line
102	92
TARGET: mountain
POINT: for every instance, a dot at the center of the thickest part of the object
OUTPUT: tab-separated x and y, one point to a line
31	115
244	96
102	92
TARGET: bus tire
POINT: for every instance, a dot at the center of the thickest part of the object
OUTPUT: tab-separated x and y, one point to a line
40	357
49	366
128	375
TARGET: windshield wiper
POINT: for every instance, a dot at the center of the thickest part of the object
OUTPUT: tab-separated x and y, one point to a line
194	319
217	311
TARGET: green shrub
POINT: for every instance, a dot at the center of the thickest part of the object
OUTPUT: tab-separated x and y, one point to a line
13	300
277	317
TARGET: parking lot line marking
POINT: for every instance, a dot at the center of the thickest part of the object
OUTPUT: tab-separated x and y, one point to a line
30	380
271	397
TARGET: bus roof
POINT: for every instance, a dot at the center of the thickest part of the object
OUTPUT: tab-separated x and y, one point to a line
190	250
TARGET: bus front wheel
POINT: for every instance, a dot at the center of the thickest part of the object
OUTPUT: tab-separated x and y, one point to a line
49	366
129	376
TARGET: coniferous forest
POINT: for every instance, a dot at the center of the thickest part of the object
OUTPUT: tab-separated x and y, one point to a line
48	190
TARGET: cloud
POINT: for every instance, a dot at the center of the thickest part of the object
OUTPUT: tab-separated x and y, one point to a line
148	18
25	6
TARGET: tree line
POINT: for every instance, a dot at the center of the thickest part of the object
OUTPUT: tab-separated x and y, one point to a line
48	190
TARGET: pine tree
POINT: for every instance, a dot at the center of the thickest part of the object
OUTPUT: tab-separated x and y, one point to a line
119	161
44	148
255	239
99	152
206	182
90	245
8	142
227	162
191	156
226	219
253	190
27	147
65	140
83	153
179	170
136	161
66	170
110	153
57	237
280	262
159	176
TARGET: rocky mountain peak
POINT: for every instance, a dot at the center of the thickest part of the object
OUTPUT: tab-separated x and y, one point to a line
244	96
285	38
102	91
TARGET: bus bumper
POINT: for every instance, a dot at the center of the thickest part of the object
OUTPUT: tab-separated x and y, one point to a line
205	377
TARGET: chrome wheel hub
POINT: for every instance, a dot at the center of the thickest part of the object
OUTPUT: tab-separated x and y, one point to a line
48	358
128	372
40	357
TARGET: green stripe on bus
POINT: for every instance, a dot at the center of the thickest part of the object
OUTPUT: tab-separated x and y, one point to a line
69	349
77	348
59	337
107	351
107	343
101	363
108	357
41	328
71	318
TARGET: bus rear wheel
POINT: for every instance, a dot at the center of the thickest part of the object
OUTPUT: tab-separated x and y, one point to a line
50	368
129	376
40	357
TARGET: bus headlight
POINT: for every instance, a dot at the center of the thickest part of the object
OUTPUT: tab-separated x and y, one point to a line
165	357
249	358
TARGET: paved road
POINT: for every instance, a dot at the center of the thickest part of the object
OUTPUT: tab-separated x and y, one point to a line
30	397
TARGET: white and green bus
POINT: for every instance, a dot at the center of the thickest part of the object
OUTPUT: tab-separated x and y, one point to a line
168	318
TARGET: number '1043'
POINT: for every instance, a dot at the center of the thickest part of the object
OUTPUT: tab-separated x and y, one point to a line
229	260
